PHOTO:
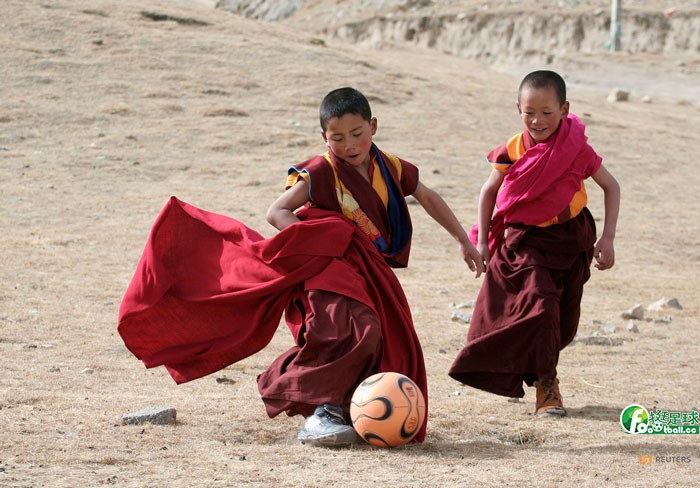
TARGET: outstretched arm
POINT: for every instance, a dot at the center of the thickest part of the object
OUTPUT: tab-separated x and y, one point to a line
281	212
604	252
438	209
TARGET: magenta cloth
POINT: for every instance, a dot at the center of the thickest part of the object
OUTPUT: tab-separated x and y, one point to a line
539	185
209	291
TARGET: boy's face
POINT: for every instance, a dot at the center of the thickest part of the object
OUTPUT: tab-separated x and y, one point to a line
350	138
541	112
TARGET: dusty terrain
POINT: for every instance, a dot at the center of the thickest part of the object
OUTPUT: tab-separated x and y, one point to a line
107	109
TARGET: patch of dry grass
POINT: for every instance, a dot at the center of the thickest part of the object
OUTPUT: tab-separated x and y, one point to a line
221	112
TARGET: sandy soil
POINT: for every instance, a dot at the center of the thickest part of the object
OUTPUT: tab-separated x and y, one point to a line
106	112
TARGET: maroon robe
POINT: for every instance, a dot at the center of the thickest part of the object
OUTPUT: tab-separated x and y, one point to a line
528	306
339	341
209	291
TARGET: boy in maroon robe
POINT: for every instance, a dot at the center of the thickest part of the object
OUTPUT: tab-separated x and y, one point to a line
538	248
343	342
209	291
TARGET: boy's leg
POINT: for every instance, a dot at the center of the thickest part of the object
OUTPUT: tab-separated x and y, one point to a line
570	307
549	400
514	335
340	346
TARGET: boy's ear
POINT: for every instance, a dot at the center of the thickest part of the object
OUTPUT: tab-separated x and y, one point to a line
323	134
517	105
373	125
565	109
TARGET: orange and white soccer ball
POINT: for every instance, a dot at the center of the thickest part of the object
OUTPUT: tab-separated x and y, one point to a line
387	409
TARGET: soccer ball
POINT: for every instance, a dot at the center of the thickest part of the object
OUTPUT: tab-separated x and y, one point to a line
387	409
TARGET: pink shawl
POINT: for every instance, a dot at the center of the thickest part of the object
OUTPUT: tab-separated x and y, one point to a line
543	180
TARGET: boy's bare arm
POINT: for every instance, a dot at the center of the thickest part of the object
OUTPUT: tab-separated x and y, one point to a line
487	202
438	209
281	212
604	252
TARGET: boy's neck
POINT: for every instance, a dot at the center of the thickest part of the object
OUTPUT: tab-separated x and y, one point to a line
364	169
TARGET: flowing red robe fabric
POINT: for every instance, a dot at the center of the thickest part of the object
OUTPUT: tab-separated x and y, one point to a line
209	291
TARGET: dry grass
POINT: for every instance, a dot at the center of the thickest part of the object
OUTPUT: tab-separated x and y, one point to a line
95	137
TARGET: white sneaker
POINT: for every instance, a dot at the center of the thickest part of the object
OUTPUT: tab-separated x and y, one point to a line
327	427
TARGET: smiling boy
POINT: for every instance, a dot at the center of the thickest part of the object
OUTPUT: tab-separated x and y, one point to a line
538	247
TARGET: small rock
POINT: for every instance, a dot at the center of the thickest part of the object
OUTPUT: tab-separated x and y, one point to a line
469	304
458	316
636	312
54	369
646	99
600	341
224	379
87	371
618	95
456	393
666	319
665	303
632	327
157	415
609	328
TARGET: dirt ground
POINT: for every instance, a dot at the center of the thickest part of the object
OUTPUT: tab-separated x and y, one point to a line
107	109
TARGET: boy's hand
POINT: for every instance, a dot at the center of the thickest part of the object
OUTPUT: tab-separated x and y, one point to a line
483	249
472	257
604	253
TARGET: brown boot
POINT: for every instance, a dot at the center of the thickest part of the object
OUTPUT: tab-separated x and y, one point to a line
548	402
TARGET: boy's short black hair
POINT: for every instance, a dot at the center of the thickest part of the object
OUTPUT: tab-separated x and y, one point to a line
343	101
545	79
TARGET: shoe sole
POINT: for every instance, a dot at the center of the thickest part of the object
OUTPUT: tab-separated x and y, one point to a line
334	440
552	412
